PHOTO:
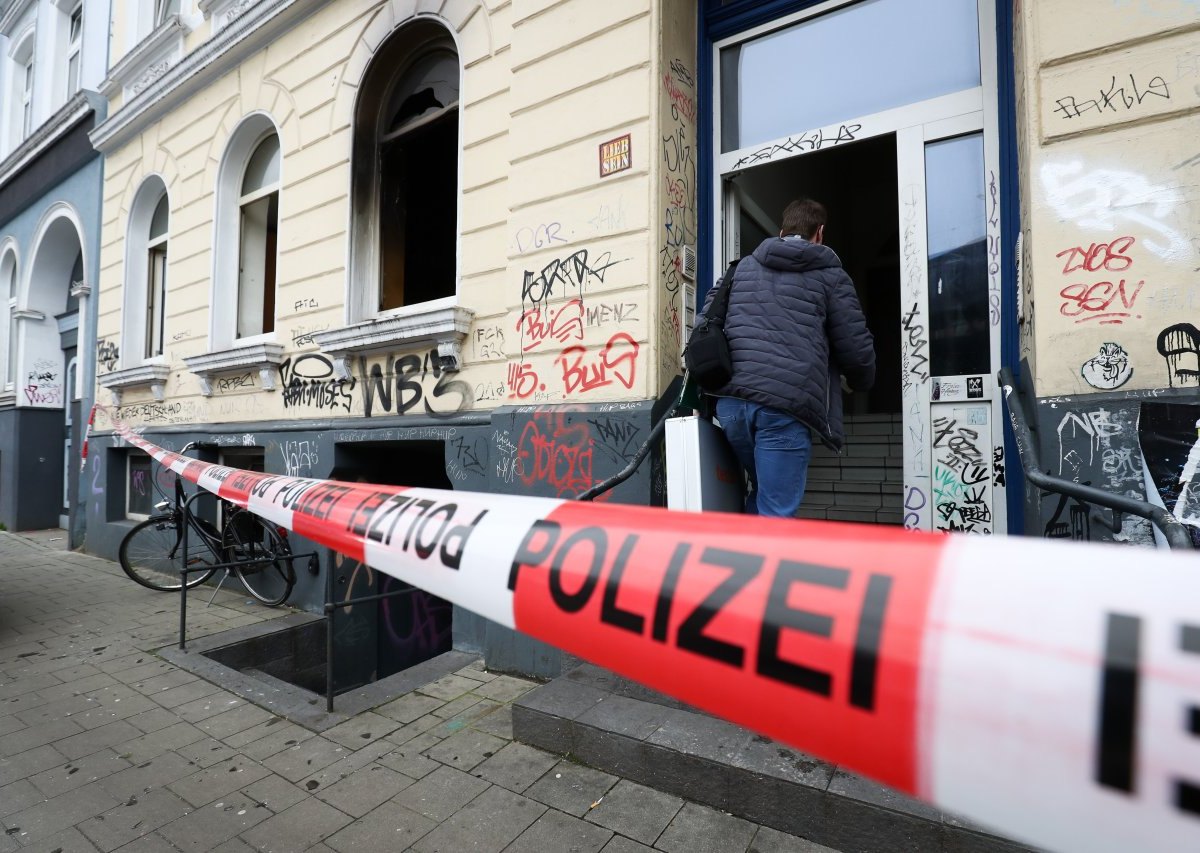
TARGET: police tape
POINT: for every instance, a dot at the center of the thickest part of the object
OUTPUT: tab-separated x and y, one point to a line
1049	690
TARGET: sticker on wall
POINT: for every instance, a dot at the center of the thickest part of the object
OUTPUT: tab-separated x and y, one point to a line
1108	369
616	155
974	387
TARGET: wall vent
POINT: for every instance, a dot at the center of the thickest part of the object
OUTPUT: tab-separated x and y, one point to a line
687	262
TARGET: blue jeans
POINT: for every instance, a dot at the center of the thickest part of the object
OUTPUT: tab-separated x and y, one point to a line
774	448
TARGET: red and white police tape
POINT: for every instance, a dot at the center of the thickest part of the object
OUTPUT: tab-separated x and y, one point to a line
1049	690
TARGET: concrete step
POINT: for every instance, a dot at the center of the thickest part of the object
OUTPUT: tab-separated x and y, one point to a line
616	725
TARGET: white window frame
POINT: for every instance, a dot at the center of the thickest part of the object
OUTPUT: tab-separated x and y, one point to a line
244	141
135	332
243	202
156	290
442	323
10	262
24	74
365	268
129	457
164	9
74	52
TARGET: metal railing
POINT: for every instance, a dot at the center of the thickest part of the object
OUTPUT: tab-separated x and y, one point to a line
186	569
331	607
1177	534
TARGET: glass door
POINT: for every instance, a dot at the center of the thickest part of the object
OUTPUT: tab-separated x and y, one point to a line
910	184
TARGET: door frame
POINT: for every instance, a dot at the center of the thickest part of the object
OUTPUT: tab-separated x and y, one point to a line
915	126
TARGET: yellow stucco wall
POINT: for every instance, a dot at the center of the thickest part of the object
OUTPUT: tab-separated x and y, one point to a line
1109	102
556	262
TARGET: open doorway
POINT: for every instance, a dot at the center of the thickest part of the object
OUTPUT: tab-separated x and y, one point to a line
373	640
857	183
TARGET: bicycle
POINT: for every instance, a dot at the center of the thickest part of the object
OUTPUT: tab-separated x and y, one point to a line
253	550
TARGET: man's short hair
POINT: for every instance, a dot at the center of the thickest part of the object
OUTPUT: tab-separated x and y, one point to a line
803	217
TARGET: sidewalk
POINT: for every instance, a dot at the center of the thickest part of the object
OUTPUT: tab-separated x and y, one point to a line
104	746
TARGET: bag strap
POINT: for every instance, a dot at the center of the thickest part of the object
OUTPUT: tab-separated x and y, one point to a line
720	304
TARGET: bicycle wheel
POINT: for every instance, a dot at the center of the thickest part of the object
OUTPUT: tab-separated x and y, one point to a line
151	553
257	550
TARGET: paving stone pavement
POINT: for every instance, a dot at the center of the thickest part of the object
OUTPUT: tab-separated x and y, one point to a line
105	746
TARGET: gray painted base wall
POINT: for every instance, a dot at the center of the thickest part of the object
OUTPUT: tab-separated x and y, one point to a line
537	451
31	468
1094	439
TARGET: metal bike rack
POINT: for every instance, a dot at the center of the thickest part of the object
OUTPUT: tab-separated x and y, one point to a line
1176	533
185	570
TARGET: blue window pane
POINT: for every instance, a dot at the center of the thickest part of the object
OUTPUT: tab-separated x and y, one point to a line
856	61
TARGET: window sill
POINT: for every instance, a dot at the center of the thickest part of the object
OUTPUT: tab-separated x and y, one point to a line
149	60
264	357
152	376
222	13
447	326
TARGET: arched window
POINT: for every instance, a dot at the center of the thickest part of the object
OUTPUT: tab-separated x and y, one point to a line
156	278
8	290
246	235
144	320
405	173
259	216
22	90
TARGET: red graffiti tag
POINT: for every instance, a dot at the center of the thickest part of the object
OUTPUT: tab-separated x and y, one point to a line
1093	302
1106	303
538	324
618	360
556	454
1099	256
523	381
680	100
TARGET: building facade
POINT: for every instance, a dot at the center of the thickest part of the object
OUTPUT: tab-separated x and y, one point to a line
456	244
52	59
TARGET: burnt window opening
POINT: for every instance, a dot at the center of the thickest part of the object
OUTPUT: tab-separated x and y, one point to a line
407	133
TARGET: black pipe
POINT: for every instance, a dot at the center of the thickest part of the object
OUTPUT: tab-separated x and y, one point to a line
628	471
1177	534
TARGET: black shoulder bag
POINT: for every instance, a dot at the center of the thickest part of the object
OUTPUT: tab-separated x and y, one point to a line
707	356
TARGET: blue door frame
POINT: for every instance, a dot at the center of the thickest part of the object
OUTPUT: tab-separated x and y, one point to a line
719	21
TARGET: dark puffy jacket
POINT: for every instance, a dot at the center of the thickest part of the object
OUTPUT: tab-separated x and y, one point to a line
794	325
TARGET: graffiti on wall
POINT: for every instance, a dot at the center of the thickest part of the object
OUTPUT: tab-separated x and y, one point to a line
300	457
397	385
42	385
1180	346
566	276
1105	301
813	140
1170	439
308	380
107	354
1108	369
1120	95
1112	201
679	206
1097	445
487	343
565	450
962	474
